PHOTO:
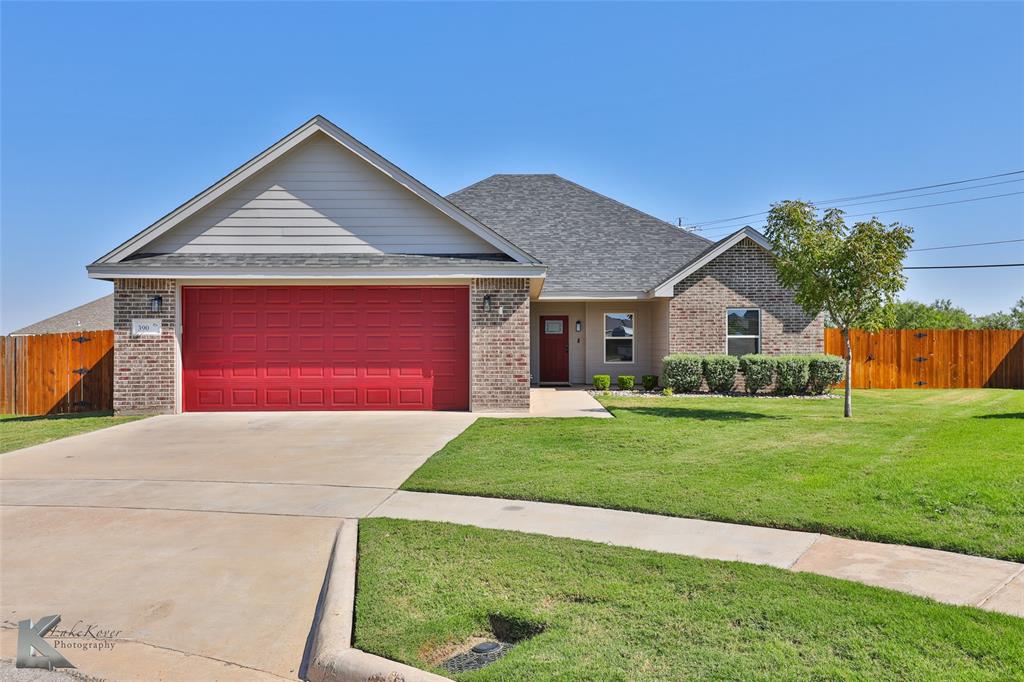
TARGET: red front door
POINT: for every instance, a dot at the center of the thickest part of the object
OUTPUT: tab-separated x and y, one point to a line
554	349
325	348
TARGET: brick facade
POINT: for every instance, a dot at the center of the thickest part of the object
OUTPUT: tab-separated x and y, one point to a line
144	365
500	344
742	277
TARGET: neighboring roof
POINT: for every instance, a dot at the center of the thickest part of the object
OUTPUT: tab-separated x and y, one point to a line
93	316
315	265
709	254
592	244
316	124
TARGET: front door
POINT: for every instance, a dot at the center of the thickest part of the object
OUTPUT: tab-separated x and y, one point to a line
554	349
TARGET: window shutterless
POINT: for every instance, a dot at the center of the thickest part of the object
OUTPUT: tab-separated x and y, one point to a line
618	337
742	331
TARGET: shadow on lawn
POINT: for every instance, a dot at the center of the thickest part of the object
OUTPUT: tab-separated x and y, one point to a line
56	417
696	413
1003	415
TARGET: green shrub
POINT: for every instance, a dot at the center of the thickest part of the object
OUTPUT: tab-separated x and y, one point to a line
602	382
823	371
667	391
649	381
758	371
791	374
720	372
626	382
681	372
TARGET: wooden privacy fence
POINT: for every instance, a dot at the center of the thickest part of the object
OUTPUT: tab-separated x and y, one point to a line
57	373
934	358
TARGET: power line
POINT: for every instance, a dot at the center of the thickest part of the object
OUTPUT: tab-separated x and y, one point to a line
963	246
925	194
868	196
892	210
944	203
960	267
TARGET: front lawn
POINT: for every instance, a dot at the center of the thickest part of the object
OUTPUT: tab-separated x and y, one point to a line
17	431
613	613
941	469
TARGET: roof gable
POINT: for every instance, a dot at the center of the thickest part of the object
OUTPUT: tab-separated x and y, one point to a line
593	245
666	287
251	211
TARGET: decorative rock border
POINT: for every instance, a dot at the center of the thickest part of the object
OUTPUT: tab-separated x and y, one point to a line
332	657
658	394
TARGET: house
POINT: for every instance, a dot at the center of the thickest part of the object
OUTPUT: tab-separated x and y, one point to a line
320	276
93	316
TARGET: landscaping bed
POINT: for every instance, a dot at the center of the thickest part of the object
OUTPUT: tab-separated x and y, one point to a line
595	612
19	431
659	394
941	469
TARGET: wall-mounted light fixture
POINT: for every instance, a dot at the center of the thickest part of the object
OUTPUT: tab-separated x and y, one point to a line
487	303
156	303
579	326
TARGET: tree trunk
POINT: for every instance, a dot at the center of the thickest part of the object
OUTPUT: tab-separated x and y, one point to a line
848	397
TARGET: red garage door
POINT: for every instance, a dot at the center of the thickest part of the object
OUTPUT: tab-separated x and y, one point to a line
325	348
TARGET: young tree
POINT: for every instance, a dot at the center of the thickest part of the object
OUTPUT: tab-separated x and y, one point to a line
850	273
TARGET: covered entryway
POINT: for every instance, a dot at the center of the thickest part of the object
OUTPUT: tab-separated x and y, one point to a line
250	348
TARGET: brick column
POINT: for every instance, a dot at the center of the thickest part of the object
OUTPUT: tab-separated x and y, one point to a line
500	344
143	365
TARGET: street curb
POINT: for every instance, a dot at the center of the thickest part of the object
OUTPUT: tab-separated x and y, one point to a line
332	658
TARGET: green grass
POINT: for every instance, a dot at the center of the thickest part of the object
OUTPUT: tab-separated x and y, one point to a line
613	613
941	469
20	432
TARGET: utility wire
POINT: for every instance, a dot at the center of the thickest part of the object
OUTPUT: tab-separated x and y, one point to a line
891	210
923	194
964	246
868	196
960	267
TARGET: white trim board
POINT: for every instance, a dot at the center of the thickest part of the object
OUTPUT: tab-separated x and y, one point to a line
665	289
115	271
314	125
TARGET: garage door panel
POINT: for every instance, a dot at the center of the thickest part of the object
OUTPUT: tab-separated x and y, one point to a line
311	342
242	295
277	319
278	398
273	295
311	295
330	347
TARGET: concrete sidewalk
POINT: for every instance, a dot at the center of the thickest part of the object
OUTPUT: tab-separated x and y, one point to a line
556	402
944	576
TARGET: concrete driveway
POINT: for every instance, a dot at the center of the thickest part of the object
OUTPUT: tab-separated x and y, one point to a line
199	542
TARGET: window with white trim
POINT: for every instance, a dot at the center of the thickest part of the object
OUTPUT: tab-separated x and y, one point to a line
618	337
742	331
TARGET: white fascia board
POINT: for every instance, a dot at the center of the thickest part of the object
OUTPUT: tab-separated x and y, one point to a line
288	142
665	289
118	271
595	296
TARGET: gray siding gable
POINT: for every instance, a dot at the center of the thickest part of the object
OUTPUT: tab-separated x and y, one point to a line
319	197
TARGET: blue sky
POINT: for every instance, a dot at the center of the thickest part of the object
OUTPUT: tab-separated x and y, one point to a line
114	114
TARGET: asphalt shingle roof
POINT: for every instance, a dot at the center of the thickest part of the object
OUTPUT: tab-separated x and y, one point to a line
589	242
93	316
